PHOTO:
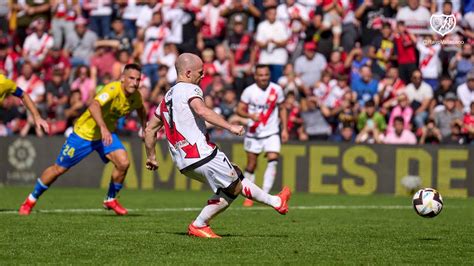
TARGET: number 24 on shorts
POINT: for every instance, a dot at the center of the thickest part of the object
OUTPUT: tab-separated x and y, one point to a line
68	151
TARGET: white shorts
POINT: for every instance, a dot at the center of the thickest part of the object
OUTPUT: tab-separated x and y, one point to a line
218	172
269	144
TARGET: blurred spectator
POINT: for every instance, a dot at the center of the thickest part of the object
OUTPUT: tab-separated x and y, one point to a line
366	86
80	43
130	16
369	118
155	37
228	104
415	17
4	12
355	60
184	30
430	134
101	63
84	83
34	87
209	70
456	136
315	124
74	109
64	13
403	110
332	19
336	66
290	82
345	134
462	64
295	17
382	51
100	13
468	123
123	38
122	58
369	135
294	119
8	60
389	88
430	64
168	59
57	94
400	134
444	119
223	64
245	10
243	52
405	51
310	66
420	94
25	13
272	38
445	86
37	44
145	14
212	24
56	61
371	15
465	92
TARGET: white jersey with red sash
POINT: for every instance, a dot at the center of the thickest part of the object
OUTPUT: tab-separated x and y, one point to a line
36	47
265	104
155	38
186	132
430	64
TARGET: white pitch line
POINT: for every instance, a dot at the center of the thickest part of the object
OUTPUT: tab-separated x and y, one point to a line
317	207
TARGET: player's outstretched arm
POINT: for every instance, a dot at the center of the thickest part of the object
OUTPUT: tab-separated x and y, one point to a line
242	111
212	117
96	113
39	122
142	116
150	141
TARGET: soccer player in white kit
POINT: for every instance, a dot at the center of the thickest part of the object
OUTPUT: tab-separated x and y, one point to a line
261	103
183	113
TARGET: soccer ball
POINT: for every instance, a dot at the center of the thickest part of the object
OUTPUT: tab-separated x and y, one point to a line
427	202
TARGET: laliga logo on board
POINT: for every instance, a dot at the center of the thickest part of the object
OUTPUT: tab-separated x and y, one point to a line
443	24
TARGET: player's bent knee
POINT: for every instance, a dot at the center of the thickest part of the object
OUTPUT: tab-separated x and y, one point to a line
123	164
58	170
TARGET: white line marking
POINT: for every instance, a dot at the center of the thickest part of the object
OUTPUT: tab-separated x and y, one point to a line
317	207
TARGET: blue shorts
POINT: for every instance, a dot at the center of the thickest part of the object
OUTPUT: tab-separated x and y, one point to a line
76	148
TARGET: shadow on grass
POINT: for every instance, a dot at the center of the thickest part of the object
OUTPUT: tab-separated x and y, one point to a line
8	210
430	238
181	233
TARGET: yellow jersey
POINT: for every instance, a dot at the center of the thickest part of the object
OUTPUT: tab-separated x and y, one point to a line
7	87
114	104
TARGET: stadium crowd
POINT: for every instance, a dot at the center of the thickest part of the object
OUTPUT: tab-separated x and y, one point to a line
365	71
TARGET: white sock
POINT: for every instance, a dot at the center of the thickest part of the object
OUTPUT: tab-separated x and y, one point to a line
252	191
250	176
214	206
269	176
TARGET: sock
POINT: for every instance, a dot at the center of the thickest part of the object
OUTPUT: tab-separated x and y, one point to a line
252	191
269	176
215	205
249	176
114	189
39	189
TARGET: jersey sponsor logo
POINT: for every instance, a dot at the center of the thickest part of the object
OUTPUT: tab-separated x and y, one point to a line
103	97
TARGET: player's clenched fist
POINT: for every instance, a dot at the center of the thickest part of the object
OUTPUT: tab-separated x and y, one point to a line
151	164
237	130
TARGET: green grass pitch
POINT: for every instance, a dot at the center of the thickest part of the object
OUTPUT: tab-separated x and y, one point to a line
69	228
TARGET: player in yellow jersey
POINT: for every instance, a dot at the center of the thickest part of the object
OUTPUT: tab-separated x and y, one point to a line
92	132
8	87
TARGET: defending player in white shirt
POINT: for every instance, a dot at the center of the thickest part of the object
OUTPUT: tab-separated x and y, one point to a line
183	113
260	102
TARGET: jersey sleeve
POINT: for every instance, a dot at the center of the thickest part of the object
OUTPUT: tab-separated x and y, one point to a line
195	92
106	95
245	97
9	87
